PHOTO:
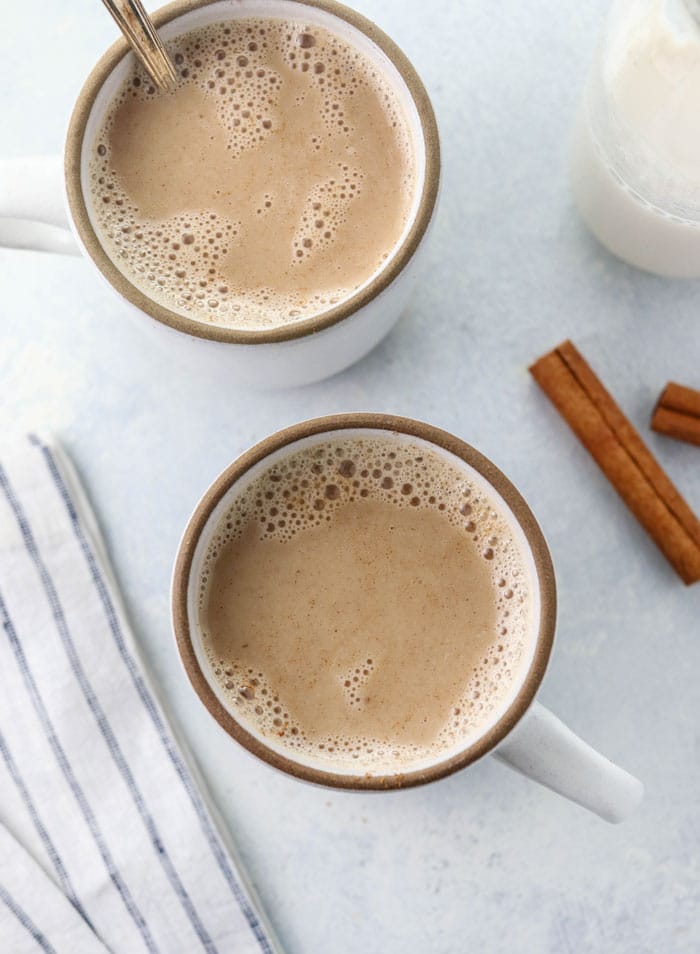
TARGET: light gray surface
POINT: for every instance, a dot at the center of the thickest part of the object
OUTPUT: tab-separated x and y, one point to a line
484	861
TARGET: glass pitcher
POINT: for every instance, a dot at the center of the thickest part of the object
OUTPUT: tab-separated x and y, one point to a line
635	164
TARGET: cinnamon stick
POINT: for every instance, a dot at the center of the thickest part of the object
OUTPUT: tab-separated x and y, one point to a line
591	412
677	413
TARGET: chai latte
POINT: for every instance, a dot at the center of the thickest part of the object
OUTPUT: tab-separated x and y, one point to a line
365	605
273	181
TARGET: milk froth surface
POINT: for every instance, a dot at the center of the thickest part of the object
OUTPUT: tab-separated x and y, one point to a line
269	185
365	606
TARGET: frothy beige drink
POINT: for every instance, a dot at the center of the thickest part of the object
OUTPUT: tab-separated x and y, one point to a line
271	183
364	602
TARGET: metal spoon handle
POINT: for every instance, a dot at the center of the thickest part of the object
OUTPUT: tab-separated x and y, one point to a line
137	27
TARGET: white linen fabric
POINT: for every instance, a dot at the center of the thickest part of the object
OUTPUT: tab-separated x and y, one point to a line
106	842
36	909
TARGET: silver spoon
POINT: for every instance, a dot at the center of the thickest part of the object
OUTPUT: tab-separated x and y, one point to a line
137	27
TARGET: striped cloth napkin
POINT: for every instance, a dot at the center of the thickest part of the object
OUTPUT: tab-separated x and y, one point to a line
106	842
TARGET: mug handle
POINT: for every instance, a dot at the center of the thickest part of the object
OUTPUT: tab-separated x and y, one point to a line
32	211
545	750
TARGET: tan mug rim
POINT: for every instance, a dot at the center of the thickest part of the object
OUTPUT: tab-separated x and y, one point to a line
472	457
300	329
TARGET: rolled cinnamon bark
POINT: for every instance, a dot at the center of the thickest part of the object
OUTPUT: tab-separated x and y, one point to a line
596	419
677	413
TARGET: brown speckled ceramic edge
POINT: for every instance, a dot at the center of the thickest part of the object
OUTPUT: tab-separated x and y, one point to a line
81	219
522	513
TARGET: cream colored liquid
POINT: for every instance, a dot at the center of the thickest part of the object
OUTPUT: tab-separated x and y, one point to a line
359	606
638	185
273	181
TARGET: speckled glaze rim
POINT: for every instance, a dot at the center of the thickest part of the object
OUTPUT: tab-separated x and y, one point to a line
300	329
519	509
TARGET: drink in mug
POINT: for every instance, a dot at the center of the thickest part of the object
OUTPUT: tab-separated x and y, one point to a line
270	184
364	602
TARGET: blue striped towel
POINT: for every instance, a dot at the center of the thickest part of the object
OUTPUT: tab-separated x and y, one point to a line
106	842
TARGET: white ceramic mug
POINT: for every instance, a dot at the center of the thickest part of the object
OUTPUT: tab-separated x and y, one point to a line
522	733
31	192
